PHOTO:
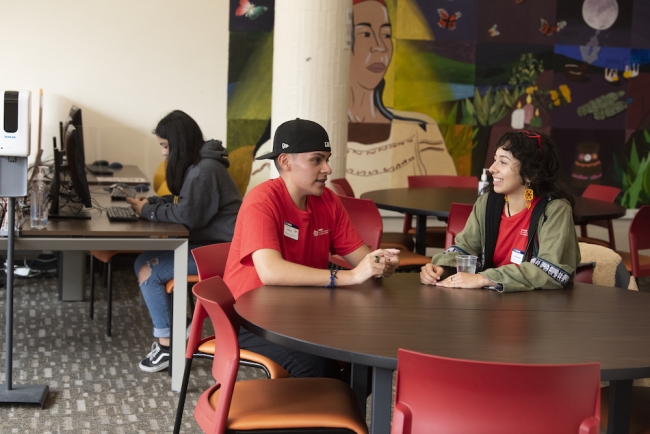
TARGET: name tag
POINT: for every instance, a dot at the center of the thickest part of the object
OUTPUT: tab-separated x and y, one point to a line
291	231
517	256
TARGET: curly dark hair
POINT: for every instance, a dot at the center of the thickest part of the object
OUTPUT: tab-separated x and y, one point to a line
185	141
538	162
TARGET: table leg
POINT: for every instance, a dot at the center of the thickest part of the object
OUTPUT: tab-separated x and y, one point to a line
620	395
382	395
73	275
421	235
180	312
359	384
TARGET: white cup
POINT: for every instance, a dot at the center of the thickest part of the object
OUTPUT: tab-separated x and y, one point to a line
466	264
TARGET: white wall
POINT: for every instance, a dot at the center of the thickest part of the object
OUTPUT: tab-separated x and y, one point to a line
126	63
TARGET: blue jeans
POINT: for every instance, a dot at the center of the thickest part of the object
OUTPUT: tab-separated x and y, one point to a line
153	289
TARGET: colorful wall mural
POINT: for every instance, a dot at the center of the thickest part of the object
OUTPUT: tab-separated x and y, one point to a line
434	83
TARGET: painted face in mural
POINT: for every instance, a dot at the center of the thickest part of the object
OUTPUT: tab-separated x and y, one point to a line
372	49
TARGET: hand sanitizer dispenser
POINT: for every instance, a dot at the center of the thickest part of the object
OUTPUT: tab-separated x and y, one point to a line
484	182
15	117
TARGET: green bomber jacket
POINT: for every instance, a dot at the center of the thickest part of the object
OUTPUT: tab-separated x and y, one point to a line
553	265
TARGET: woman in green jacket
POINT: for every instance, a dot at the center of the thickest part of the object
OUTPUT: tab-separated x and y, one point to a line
521	229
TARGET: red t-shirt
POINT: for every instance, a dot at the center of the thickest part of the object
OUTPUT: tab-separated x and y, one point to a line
513	234
268	219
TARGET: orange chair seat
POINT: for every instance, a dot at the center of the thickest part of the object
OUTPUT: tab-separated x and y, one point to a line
436	235
105	256
191	278
411	259
290	403
274	369
397	240
644	261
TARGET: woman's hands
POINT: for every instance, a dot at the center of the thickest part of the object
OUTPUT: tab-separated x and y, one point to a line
137	204
431	274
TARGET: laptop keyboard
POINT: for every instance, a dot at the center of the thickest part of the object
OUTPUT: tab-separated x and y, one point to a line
117	213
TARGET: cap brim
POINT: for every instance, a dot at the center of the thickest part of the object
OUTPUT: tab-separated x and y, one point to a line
269	156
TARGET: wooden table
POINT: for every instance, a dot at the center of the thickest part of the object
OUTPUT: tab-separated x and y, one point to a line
436	201
365	325
74	237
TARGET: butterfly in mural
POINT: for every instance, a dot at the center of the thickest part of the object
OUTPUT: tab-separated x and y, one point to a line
547	30
493	31
249	10
447	21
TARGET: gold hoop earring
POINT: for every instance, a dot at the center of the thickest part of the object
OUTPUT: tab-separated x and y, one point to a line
528	195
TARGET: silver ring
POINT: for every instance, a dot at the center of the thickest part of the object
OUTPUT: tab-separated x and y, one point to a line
377	259
453	277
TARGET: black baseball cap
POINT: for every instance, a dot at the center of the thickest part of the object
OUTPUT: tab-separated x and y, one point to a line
298	136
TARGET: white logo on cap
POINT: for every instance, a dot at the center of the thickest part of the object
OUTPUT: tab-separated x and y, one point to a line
327	144
285	146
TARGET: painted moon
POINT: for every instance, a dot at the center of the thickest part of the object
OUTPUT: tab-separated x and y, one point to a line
600	14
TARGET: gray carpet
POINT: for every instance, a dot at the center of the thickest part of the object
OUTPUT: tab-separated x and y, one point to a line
95	384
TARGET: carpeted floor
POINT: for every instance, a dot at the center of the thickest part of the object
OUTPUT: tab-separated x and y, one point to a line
95	384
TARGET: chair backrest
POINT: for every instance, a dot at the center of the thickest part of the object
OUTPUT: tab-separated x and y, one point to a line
441	395
639	237
215	297
211	259
342	187
601	192
458	215
366	219
443	181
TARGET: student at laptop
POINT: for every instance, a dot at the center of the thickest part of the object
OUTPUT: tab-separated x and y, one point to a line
285	231
205	199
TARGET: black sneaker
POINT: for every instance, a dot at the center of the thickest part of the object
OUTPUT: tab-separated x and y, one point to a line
156	360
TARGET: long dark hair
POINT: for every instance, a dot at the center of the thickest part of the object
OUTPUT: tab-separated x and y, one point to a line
538	162
185	141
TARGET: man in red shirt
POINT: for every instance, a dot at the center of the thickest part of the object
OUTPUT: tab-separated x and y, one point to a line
286	229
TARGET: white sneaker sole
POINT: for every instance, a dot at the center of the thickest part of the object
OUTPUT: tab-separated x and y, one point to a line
157	368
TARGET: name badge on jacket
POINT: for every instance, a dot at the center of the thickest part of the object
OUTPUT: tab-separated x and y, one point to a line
517	256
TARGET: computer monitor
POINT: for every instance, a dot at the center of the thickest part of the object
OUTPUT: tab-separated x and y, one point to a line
70	181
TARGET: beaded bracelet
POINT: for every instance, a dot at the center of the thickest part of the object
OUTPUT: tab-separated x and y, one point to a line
332	277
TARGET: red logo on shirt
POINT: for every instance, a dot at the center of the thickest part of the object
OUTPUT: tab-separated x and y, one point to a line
524	232
321	232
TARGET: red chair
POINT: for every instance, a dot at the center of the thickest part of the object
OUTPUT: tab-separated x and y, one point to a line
441	395
606	194
458	215
323	404
211	261
342	187
639	236
366	219
436	236
389	240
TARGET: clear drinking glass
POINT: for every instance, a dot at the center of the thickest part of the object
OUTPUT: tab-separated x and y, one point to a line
466	264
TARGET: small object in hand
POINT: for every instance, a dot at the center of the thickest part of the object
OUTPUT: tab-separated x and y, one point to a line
452	277
377	259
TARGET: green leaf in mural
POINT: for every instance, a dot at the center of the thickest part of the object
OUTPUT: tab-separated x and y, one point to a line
635	182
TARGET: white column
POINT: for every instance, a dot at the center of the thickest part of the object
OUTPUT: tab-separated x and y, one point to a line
311	64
